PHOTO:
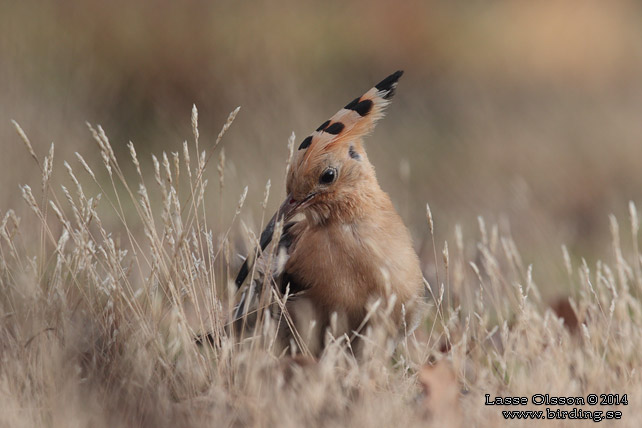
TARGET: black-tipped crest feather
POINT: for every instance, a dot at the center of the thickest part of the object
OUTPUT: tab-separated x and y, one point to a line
388	84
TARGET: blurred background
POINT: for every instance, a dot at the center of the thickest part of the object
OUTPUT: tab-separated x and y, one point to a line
525	113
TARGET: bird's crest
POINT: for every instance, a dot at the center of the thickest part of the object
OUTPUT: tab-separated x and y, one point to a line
355	120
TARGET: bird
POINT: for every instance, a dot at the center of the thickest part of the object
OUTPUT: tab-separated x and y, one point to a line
342	246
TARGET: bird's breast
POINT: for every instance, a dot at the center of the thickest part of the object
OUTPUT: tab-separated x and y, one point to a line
346	266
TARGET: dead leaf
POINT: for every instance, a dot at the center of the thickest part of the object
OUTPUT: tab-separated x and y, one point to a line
441	394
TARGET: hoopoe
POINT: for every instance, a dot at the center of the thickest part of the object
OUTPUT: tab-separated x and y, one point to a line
343	243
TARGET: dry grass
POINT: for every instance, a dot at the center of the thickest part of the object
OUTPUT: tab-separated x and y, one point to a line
524	113
98	324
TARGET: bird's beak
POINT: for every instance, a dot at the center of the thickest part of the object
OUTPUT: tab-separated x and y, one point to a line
286	211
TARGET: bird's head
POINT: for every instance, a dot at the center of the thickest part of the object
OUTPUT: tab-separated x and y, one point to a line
330	176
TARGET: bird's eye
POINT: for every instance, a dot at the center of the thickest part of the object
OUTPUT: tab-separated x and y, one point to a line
328	176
